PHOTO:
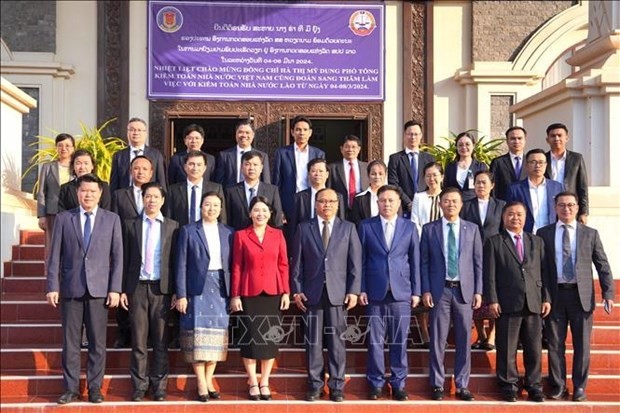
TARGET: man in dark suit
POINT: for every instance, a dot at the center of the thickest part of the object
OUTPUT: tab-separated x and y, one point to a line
304	210
229	162
85	275
567	167
510	167
390	288
127	204
406	168
148	285
194	138
349	176
137	133
325	278
290	172
239	196
183	202
451	271
516	289
536	192
570	250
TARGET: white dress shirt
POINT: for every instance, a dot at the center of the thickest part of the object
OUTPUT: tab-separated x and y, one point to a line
356	172
540	210
483	208
301	168
212	233
558	166
240	150
92	219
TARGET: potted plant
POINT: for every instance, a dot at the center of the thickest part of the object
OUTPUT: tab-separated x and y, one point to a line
90	139
484	149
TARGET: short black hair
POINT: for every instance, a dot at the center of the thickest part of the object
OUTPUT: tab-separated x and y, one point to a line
195	154
431	164
244	122
413	123
300	118
89	178
566	193
77	154
534	152
511	204
194	127
389	187
488	173
451	190
211	193
150	185
141	157
250	155
352	138
556	126
315	161
510	129
371	164
64	136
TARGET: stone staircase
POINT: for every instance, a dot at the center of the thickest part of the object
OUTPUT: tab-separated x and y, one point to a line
31	377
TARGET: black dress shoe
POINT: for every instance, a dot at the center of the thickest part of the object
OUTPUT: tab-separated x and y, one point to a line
95	397
558	393
214	394
203	398
159	396
437	393
465	395
253	397
375	393
399	395
122	343
536	396
138	396
264	395
579	395
510	396
313	395
68	397
336	396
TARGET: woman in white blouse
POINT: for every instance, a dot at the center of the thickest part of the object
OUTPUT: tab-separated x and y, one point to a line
425	208
365	203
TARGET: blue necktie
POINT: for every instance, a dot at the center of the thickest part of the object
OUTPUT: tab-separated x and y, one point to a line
453	265
518	167
87	229
192	207
252	195
414	171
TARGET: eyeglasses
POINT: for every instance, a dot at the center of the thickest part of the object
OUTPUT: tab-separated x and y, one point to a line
570	205
327	201
537	163
132	130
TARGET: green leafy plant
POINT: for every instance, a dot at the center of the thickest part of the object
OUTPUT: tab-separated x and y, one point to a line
90	139
484	150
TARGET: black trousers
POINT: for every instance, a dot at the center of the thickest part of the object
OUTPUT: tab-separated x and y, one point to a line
148	316
93	313
510	328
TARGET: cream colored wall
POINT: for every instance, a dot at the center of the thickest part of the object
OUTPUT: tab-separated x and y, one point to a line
76	45
392	107
138	103
451	51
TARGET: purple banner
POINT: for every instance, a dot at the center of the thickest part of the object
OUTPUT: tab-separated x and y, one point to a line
265	51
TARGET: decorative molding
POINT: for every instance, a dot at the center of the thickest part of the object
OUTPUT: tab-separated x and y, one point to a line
16	98
414	61
496	72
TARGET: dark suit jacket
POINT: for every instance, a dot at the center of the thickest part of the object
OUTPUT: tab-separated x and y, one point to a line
399	174
520	191
132	241
512	283
285	173
176	206
259	267
397	267
504	174
339	267
361	209
73	270
49	189
68	199
226	173
237	204
433	263
492	223
176	172
303	211
124	204
193	257
450	178
120	175
589	251
575	177
339	182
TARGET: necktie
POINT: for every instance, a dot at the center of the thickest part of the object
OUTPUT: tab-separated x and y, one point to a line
87	229
149	249
325	234
568	270
138	196
136	152
252	195
389	234
518	167
519	247
414	171
453	265
240	177
352	185
192	207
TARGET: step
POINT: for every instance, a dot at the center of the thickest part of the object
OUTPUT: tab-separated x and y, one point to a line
31	269
27	252
281	381
43	360
293	403
24	284
31	237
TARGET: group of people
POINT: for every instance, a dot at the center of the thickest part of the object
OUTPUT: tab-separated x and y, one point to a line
228	235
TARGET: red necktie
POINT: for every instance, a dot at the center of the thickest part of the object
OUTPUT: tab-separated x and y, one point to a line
352	185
